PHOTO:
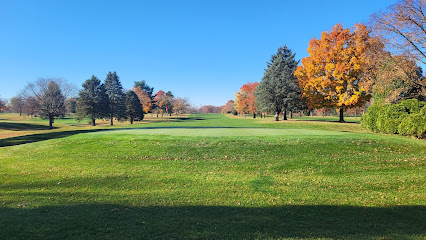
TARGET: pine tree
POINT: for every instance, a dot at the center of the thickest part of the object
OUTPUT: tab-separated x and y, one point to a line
144	86
133	107
92	102
116	97
278	89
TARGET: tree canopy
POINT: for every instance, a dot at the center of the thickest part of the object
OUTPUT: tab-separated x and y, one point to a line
114	90
144	87
246	100
133	107
52	103
92	101
278	87
331	75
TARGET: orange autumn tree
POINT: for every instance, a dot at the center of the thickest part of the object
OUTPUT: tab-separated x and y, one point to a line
229	107
164	102
245	99
331	75
159	102
144	98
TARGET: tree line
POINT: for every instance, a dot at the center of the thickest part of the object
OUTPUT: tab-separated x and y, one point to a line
51	98
346	68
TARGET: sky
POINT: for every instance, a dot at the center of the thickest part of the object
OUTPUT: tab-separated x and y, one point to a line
203	50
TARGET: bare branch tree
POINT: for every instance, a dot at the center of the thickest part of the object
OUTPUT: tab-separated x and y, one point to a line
402	26
48	94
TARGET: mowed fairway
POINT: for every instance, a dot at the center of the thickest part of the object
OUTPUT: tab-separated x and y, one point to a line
214	177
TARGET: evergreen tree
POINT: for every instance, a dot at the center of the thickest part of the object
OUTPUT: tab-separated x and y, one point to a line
134	109
116	97
278	89
52	103
169	103
144	86
92	102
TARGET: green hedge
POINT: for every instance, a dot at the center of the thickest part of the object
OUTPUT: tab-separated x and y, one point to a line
406	118
413	105
369	119
389	118
413	125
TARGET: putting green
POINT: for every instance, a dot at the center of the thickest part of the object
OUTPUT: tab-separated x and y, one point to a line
217	132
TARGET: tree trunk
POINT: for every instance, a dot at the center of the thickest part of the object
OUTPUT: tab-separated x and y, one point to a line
285	114
112	116
131	120
50	122
277	116
291	114
93	122
157	114
341	116
300	114
254	115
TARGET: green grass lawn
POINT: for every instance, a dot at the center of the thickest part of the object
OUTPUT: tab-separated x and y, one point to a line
212	177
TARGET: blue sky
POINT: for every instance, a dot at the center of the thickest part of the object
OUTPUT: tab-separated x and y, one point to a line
203	50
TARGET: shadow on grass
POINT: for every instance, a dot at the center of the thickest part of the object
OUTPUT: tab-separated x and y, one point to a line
22	126
104	221
323	120
53	135
6	142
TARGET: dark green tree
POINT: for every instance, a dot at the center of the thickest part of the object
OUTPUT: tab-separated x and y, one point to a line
92	102
52	103
144	86
278	90
169	103
114	90
133	107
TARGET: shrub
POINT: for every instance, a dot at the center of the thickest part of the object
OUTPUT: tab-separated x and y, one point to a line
414	125
390	117
369	119
413	105
423	110
407	118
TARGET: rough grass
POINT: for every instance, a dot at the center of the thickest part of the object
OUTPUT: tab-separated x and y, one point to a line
214	177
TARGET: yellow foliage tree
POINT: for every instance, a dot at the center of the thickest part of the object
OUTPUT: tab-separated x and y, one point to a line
331	75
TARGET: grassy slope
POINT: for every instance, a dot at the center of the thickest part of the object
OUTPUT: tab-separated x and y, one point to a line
122	184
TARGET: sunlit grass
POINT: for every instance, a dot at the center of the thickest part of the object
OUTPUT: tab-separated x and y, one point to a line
211	176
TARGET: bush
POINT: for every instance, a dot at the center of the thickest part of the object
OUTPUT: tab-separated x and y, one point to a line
414	125
413	105
407	118
369	119
423	110
390	116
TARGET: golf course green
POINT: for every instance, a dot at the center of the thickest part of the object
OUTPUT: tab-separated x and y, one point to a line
210	176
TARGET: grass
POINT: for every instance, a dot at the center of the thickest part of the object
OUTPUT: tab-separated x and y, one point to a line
212	177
